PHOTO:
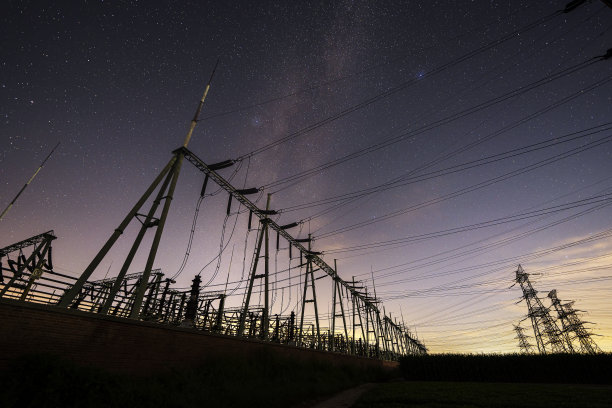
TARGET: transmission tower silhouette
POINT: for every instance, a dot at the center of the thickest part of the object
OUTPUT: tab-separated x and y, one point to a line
524	345
573	327
546	332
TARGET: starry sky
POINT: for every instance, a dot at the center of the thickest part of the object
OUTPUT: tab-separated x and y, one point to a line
428	146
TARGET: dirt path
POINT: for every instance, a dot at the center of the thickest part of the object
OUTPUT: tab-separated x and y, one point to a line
346	398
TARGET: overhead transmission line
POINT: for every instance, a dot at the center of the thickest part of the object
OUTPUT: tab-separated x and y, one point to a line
391	182
474	187
457	332
428	276
444	121
440	312
443	291
316	169
485	247
358	73
405	180
503	279
195	220
512	261
402	86
453	316
488	246
464	305
439	274
484	224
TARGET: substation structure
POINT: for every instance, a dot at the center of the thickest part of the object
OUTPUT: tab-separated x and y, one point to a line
565	334
357	325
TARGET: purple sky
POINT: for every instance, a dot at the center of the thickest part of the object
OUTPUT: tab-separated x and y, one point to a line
482	114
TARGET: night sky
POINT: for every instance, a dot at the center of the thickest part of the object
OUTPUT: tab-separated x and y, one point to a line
435	145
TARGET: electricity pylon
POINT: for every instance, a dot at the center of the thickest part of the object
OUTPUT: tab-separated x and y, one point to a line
571	323
524	345
547	335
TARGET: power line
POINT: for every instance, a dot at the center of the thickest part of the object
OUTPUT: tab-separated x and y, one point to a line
402	86
512	260
355	74
479	225
474	187
433	125
405	180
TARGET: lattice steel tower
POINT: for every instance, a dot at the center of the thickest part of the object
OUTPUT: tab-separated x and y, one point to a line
572	324
524	344
547	335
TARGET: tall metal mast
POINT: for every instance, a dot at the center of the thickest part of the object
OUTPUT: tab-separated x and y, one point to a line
170	175
28	183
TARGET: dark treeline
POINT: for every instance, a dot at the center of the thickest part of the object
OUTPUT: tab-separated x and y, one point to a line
551	368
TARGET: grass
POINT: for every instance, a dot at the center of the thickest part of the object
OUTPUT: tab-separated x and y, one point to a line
262	380
498	381
550	368
485	395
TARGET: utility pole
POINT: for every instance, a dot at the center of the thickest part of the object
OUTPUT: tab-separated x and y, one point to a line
337	298
333	312
309	273
247	300
266	312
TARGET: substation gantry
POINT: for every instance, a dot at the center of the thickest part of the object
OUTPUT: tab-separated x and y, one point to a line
148	295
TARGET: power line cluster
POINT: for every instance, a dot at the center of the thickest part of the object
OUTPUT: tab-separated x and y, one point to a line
571	337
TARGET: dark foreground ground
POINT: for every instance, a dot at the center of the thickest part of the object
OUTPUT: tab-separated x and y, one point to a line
265	380
262	380
521	368
485	395
497	381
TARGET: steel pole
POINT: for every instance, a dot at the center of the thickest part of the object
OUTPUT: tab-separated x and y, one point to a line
266	311
130	257
69	296
140	290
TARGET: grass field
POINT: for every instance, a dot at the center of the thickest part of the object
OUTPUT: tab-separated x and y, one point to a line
522	368
486	395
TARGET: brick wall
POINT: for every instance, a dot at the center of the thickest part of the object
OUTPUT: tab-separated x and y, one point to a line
129	346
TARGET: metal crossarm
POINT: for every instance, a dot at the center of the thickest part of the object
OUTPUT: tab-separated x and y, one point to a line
27	242
198	163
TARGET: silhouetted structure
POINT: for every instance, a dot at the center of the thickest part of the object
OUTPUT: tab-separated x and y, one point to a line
547	335
148	296
524	344
573	328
